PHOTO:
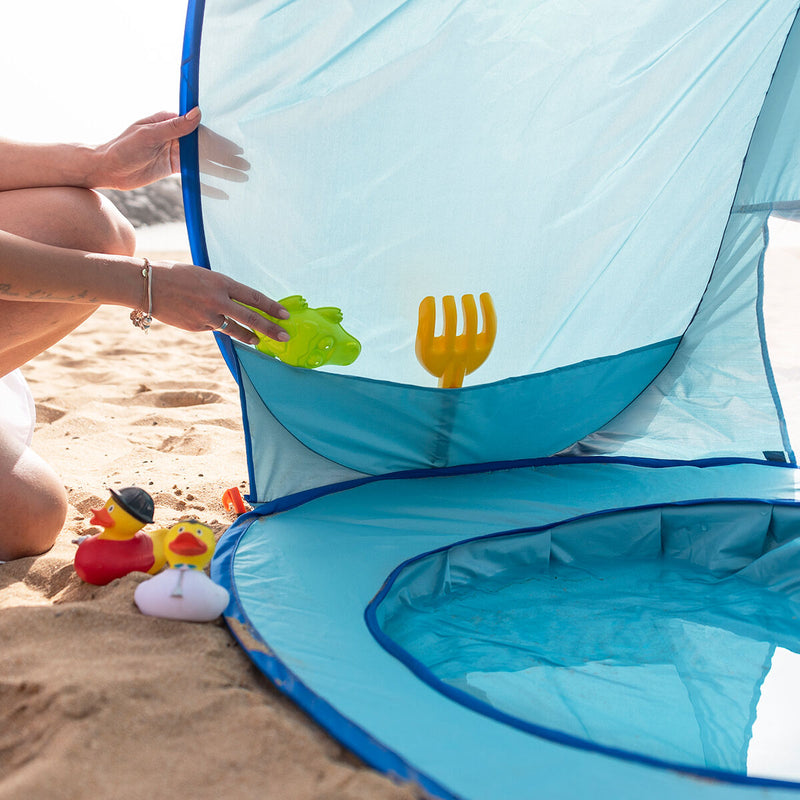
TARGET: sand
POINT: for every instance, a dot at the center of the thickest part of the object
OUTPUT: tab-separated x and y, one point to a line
99	701
96	699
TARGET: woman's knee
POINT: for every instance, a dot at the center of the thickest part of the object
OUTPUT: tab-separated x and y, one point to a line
119	234
65	216
33	503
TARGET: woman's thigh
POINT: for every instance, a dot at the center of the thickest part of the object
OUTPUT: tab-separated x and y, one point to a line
68	217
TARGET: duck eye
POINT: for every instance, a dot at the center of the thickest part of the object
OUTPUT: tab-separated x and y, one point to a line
111	508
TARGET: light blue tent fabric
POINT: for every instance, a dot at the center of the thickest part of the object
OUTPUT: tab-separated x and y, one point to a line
607	172
300	609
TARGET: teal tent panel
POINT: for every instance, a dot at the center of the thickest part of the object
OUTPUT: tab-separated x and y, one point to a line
771	174
719	385
278	463
336	159
376	427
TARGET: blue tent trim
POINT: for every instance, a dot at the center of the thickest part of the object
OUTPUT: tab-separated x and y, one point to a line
294	500
347	732
190	161
190	158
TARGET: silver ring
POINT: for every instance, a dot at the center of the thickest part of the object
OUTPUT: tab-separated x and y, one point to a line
224	325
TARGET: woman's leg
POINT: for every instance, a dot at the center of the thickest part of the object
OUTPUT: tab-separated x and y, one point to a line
33	503
66	217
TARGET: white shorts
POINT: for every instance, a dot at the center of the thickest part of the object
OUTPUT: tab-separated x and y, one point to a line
17	410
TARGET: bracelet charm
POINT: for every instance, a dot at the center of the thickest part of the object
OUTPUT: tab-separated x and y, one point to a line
139	317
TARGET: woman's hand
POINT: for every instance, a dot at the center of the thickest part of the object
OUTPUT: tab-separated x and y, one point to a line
146	152
196	299
142	154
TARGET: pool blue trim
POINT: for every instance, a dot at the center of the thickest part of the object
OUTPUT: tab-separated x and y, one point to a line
299	498
473	703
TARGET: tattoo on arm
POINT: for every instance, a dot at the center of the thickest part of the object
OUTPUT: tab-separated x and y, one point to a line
6	290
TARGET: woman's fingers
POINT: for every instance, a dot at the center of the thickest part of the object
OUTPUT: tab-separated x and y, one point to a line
243	330
257	322
166	126
236	331
252	297
243	296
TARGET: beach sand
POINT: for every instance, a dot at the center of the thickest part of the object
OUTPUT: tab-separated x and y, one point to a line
96	699
100	701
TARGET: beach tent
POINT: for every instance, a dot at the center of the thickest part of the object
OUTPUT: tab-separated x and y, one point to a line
577	574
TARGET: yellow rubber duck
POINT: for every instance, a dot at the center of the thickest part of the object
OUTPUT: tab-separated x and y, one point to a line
189	543
183	590
122	547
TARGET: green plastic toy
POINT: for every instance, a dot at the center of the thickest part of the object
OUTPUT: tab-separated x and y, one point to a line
317	336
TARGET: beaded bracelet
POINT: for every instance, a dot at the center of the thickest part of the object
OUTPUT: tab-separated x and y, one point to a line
140	318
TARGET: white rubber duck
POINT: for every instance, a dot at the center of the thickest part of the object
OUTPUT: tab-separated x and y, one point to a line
183	590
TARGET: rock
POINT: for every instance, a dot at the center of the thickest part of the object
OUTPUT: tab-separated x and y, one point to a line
150	205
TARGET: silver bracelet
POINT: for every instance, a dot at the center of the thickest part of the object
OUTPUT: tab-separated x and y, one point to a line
142	319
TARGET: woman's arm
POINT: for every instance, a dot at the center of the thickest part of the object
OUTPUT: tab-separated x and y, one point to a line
184	295
28	166
145	152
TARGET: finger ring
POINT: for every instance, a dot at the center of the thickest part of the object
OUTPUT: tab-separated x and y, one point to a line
224	325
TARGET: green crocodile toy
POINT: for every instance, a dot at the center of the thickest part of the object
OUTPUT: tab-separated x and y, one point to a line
317	337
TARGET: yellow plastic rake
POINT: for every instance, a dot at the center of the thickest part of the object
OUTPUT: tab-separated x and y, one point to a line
451	356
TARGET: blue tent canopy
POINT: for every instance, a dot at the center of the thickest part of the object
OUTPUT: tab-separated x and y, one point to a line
578	566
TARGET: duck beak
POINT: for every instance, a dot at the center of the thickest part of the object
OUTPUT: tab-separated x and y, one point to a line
185	544
100	516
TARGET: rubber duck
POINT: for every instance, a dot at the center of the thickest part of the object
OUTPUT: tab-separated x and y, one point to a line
183	590
122	547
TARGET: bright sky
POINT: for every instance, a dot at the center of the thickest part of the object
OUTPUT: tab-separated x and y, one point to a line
83	70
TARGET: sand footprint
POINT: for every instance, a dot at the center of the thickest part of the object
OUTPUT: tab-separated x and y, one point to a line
170	399
177	399
48	414
84	502
80	701
177	503
170	501
190	443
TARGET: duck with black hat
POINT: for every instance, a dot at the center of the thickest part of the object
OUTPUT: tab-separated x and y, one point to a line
122	546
